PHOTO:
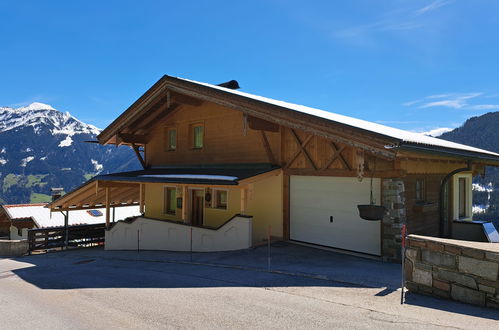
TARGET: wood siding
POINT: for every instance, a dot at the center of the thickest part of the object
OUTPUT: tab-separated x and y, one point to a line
423	219
227	138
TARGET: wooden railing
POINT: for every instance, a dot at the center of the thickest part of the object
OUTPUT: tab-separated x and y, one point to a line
78	236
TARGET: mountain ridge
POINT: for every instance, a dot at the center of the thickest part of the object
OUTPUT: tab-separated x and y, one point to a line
482	132
41	148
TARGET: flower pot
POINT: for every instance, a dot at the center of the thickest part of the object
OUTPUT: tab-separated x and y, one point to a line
371	212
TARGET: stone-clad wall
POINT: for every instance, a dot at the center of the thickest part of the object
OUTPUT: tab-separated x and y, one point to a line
459	270
393	199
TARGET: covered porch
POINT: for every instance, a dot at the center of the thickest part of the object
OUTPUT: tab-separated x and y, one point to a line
202	208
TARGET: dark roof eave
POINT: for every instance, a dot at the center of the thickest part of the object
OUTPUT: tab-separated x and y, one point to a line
168	180
441	151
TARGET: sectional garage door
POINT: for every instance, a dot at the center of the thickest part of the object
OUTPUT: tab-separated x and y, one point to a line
323	210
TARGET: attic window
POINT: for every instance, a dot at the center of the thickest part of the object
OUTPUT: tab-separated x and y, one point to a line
95	213
171	139
197	136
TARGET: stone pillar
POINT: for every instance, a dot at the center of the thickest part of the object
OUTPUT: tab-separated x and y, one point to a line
393	199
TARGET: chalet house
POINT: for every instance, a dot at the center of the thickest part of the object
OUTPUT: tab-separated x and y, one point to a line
224	169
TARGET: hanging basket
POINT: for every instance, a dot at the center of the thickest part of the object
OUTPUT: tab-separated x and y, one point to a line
371	212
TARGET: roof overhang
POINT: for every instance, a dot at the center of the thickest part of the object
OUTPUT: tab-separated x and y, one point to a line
91	195
169	93
169	89
125	187
485	159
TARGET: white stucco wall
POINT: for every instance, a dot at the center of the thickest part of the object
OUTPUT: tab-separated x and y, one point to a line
150	234
15	235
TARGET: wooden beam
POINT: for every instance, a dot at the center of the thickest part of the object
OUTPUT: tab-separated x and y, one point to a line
337	155
262	125
285	206
157	107
174	108
83	190
142	197
185	99
139	156
133	138
124	195
116	184
185	198
260	177
268	149
90	207
244	200
108	192
343	173
301	146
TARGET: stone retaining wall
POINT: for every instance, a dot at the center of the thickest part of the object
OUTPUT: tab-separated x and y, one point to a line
13	248
459	270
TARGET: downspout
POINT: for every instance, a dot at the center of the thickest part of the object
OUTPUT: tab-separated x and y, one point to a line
440	204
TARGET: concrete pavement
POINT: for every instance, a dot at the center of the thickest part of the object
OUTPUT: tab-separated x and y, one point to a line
93	288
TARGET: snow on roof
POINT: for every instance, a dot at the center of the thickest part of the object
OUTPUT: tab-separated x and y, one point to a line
191	176
404	136
42	217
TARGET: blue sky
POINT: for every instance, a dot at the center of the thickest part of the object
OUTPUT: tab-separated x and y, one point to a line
413	64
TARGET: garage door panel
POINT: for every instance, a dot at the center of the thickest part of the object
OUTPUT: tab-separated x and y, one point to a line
314	199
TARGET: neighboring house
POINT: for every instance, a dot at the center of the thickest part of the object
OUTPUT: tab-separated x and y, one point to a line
18	218
225	169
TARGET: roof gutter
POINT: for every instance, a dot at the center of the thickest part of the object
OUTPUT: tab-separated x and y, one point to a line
442	151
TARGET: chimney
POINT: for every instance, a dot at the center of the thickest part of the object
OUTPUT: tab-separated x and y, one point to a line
56	193
233	84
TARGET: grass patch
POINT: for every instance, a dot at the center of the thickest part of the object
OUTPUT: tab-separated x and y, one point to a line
36	180
10	180
39	198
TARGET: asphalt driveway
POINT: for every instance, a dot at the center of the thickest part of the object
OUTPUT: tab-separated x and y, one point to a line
306	288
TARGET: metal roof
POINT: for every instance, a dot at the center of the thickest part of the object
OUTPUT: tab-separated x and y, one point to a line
403	137
221	174
44	218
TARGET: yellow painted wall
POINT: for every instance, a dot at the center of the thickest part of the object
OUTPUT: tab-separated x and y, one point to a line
265	205
154	203
215	217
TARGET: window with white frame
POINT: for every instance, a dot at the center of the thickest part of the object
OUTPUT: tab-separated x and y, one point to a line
462	196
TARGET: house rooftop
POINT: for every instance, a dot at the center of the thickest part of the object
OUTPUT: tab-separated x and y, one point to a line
216	174
395	133
43	218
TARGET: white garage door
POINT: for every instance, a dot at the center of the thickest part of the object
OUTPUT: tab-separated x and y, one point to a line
324	211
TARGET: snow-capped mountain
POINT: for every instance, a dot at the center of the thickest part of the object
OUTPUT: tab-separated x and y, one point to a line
38	115
41	148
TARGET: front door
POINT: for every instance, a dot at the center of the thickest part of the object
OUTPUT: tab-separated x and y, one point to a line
197	207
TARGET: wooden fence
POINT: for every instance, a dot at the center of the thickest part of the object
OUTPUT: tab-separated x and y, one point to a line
78	236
